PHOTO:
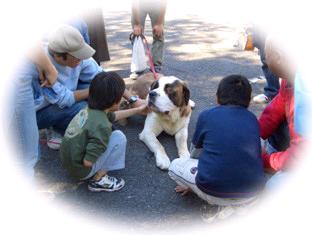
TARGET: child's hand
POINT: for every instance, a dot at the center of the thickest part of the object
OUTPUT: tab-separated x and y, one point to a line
140	102
142	106
182	190
87	163
145	110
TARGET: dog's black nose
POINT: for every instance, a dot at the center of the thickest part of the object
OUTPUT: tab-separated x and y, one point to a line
152	94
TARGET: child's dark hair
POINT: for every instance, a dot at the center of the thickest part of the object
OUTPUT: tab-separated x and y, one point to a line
106	89
234	90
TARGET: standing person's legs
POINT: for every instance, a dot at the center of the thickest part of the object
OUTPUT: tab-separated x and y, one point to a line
96	28
158	43
143	14
272	86
53	116
23	126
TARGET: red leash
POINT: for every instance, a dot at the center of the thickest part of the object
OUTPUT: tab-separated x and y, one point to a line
150	58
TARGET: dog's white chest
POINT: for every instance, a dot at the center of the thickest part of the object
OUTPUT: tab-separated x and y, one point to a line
172	126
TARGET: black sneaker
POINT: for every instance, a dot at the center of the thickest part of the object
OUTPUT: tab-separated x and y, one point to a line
106	183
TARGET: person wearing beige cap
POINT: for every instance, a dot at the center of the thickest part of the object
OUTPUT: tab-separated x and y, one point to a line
67	39
57	104
44	85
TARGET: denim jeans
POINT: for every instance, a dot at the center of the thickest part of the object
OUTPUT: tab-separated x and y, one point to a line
279	177
23	126
59	119
272	86
280	139
114	156
276	180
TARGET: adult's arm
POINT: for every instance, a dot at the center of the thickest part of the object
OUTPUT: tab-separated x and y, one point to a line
47	71
269	121
279	160
64	97
273	115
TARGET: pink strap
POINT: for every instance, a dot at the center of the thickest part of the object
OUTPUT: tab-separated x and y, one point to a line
150	58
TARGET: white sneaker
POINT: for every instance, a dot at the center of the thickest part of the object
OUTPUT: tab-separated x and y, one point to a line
261	99
134	76
54	139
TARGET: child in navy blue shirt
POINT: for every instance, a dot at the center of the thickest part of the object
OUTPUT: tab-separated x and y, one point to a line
226	141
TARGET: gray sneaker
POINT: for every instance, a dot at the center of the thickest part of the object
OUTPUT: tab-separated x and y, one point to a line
106	183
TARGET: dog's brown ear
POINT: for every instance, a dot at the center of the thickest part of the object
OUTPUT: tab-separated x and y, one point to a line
186	94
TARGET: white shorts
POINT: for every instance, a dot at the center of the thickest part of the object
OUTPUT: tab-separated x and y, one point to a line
183	171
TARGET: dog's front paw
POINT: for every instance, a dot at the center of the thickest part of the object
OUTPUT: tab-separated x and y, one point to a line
163	162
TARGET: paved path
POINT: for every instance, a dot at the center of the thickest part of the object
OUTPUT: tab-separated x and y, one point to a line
198	51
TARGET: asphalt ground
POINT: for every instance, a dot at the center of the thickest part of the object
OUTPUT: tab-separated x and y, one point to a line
198	51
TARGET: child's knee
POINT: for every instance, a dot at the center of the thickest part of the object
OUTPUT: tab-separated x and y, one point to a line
119	136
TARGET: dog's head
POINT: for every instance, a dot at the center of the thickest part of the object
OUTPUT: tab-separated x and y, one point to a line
167	94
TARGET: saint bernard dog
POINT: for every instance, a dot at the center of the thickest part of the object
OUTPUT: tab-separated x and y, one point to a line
169	100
